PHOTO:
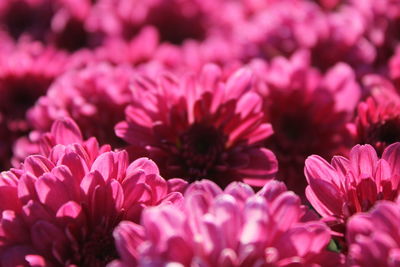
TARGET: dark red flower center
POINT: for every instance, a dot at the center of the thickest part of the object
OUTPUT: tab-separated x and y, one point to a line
21	18
73	36
389	131
99	249
384	133
175	27
201	147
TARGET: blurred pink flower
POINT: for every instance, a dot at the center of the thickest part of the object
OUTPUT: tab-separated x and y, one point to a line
378	119
307	110
61	23
280	28
374	238
200	127
26	17
62	209
174	20
351	185
234	227
94	96
382	20
26	71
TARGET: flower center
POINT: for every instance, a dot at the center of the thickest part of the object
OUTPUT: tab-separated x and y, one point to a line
21	17
176	27
201	149
99	249
384	133
389	132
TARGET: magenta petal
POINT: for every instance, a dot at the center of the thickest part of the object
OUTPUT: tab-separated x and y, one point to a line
145	164
66	132
52	192
363	159
328	195
262	165
128	236
238	83
36	261
286	210
70	210
392	156
37	165
318	168
272	189
76	164
111	165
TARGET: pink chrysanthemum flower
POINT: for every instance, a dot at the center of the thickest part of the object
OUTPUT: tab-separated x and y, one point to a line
200	127
61	210
307	110
282	27
351	185
176	21
26	72
94	96
378	119
57	22
344	41
394	68
25	17
234	227
382	20
374	237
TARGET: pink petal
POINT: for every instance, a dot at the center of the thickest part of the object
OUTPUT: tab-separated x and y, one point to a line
392	156
66	132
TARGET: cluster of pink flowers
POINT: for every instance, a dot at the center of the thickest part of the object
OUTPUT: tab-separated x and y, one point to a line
199	133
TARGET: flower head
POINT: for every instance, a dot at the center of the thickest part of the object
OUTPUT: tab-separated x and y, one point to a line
234	227
176	21
378	119
94	96
62	209
351	185
307	110
26	72
200	127
374	238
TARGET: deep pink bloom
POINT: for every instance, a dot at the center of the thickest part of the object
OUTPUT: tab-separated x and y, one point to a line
24	17
61	23
382	20
394	67
280	28
351	185
94	96
175	20
62	209
344	41
26	72
374	238
378	119
234	227
200	127
307	110
329	4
